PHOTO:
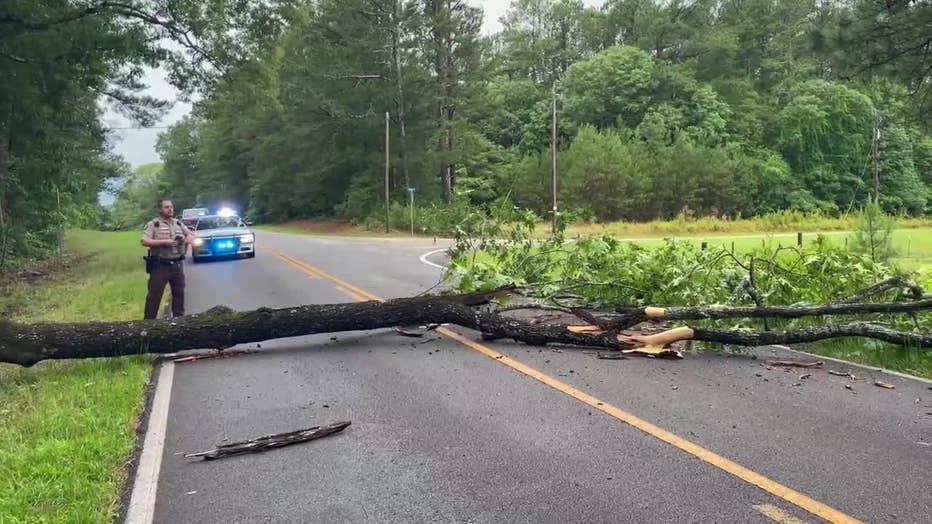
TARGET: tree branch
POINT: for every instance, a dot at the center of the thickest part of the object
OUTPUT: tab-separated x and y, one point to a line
631	316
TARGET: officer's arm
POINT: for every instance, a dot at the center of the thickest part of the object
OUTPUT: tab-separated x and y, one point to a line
149	240
188	235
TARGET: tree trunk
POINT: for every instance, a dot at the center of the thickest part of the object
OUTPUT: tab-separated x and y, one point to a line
400	108
221	328
6	167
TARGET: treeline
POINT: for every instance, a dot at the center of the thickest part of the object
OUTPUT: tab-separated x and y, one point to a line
726	107
717	107
63	62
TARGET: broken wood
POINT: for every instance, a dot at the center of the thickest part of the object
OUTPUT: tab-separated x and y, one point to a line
632	316
270	441
221	328
796	363
898	282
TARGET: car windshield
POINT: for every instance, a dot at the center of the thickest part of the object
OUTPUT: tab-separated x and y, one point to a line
218	223
194	212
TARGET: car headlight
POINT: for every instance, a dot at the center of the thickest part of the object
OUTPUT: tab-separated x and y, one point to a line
198	241
247	238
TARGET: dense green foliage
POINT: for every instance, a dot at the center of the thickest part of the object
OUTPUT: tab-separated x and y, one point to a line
703	107
714	107
602	271
62	62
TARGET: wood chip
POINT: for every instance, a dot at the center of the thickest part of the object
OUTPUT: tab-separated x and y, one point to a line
653	352
805	376
796	363
589	330
216	354
884	385
271	441
840	373
408	333
615	355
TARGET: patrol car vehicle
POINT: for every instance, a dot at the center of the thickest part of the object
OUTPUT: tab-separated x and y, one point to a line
224	235
189	216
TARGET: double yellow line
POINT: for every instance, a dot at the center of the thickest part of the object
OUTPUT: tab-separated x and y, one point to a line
770	486
355	293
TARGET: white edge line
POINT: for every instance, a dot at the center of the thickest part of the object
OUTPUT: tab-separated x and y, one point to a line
857	365
423	258
142	501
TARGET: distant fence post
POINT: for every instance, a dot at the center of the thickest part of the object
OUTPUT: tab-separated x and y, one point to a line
799	238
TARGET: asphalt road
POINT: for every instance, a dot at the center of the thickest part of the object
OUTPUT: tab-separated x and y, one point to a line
443	433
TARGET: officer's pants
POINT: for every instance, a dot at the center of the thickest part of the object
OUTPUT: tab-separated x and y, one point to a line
166	274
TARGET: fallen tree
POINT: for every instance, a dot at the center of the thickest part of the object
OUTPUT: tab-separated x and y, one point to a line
220	327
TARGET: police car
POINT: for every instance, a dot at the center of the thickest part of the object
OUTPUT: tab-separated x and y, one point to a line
223	235
189	216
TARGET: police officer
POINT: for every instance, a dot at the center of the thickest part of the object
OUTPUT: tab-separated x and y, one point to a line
167	240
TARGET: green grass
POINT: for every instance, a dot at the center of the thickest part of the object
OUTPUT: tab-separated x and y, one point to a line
874	353
914	246
67	428
781	222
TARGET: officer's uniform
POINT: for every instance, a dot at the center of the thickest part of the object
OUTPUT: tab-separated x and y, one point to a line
168	267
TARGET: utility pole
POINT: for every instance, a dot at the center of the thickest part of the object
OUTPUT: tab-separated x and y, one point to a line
555	148
875	156
411	207
387	202
61	228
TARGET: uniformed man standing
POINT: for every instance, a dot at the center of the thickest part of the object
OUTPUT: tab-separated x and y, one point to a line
167	240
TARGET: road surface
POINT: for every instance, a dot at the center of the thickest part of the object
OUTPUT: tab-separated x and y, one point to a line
447	431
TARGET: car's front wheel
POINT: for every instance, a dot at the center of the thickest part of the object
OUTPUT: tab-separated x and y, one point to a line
251	254
197	260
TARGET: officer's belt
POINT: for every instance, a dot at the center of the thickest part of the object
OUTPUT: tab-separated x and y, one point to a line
168	261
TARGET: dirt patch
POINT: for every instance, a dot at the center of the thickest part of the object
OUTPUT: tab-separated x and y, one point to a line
45	269
36	273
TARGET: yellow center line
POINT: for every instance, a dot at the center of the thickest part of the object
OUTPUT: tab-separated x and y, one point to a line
778	515
770	486
315	270
307	271
353	296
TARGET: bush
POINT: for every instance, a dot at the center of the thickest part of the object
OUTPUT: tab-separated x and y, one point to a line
873	233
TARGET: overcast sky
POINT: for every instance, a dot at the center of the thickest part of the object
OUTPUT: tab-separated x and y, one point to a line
137	146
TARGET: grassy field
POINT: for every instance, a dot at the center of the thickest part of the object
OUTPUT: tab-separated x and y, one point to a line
914	245
783	222
68	428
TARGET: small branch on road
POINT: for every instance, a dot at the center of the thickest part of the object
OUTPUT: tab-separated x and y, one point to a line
270	441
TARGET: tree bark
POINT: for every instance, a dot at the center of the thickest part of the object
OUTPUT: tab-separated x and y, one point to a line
632	316
220	328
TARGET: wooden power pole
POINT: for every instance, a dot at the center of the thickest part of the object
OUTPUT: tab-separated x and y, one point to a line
555	147
387	164
875	159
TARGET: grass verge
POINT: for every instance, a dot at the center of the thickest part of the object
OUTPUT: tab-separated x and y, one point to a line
67	428
781	222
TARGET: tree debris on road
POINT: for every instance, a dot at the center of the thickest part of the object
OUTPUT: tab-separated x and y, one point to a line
270	441
221	327
796	363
